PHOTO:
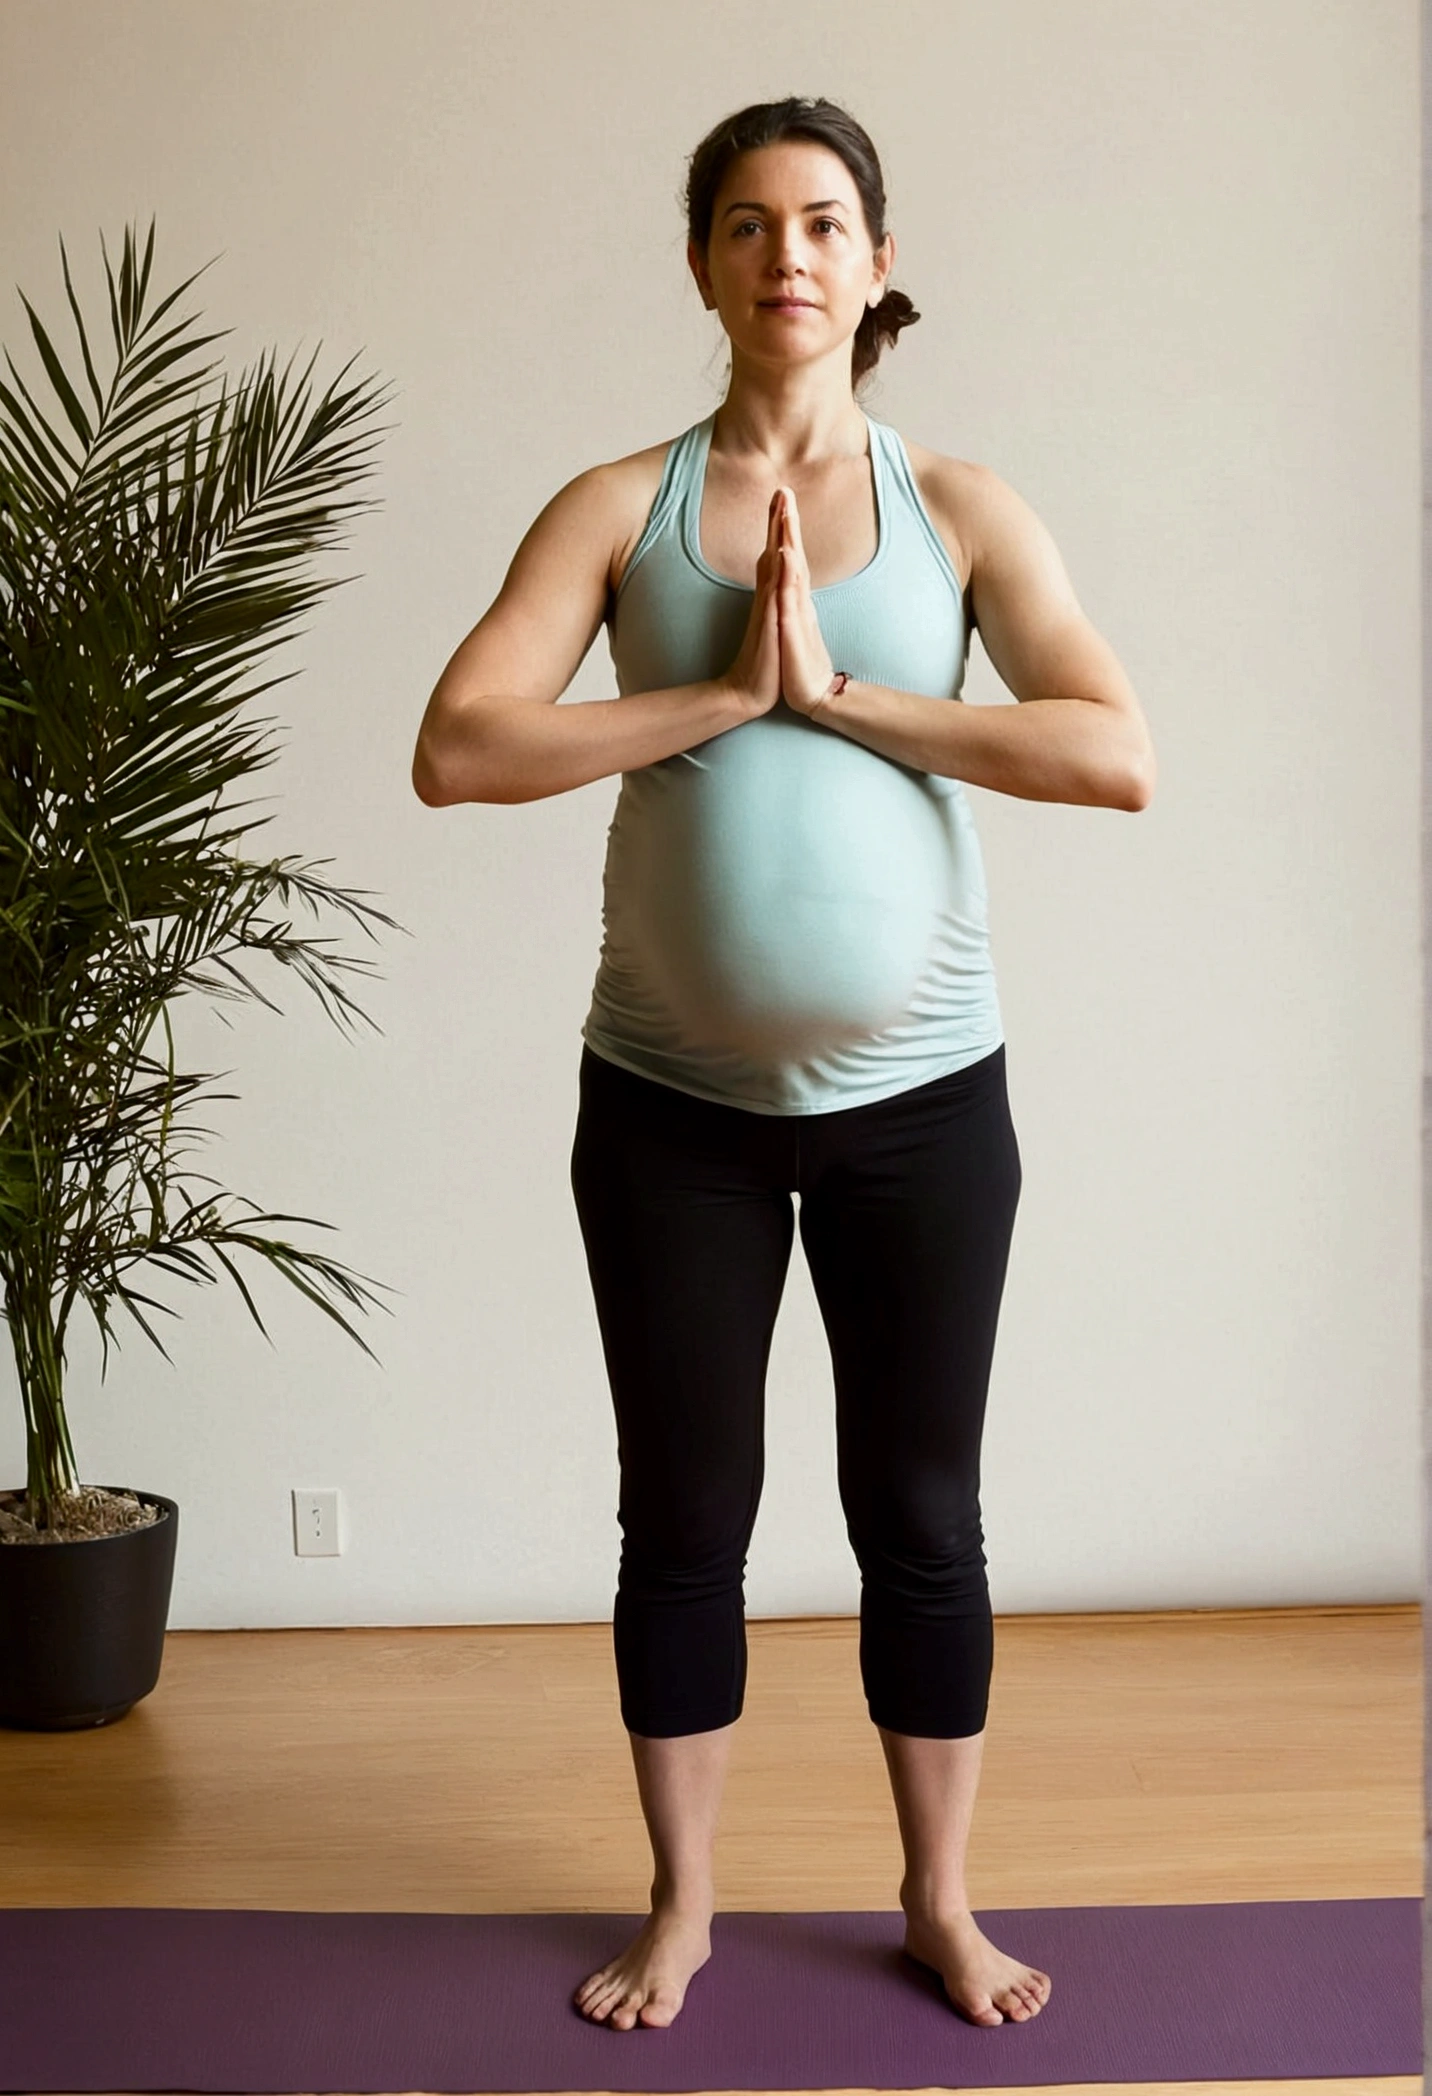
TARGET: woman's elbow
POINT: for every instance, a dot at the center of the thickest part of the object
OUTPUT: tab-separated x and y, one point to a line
428	782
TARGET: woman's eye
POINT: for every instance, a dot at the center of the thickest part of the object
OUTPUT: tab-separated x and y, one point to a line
745	222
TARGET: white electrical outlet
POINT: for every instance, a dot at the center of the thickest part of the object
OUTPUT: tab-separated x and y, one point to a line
315	1524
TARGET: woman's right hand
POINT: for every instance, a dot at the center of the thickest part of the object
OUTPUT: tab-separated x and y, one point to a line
755	675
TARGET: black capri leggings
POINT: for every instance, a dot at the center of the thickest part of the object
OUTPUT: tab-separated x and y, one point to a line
906	1213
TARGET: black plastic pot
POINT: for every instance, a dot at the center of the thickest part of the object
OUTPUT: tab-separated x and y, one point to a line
82	1624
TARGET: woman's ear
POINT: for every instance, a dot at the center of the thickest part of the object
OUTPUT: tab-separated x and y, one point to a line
886	250
696	262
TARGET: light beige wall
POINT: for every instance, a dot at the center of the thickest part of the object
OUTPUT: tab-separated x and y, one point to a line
1425	259
1166	256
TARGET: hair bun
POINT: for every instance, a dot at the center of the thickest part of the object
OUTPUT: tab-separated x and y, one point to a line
884	322
897	310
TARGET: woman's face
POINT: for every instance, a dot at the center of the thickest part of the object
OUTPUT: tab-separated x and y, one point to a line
788	224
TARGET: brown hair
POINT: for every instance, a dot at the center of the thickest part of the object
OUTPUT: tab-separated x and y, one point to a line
825	124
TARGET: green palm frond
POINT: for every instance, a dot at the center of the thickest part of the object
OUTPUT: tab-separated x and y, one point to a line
158	533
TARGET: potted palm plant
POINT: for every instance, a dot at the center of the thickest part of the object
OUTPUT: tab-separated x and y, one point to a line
157	530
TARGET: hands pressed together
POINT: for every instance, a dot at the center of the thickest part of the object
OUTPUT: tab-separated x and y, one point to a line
782	655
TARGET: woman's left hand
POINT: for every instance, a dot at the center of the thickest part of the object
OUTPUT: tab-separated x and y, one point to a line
806	668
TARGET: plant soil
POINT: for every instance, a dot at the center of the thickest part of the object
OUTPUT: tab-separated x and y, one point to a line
87	1512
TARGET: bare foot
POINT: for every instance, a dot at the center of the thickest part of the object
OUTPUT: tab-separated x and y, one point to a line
650	1977
981	1981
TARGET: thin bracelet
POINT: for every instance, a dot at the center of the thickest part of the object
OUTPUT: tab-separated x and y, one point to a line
837	685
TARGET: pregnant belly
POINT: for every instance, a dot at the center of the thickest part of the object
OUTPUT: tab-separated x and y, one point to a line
778	891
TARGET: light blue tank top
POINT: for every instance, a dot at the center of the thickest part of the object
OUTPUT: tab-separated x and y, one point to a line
792	923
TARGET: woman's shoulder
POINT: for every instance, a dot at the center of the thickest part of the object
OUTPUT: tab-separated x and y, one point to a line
638	472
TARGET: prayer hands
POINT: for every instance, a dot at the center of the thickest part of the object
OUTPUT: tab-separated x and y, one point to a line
806	667
782	654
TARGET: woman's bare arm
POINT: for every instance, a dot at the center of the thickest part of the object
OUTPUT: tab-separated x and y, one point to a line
493	730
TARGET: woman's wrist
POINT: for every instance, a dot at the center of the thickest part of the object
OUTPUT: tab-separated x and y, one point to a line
837	685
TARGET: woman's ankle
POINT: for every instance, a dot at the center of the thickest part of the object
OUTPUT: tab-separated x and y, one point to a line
694	1896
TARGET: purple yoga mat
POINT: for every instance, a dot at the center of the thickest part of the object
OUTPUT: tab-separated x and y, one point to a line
141	1998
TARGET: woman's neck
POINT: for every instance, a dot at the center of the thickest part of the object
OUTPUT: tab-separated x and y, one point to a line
796	422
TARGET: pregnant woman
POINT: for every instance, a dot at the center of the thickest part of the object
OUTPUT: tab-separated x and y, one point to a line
795	993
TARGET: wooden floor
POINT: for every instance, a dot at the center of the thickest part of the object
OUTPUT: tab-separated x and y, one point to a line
1182	1757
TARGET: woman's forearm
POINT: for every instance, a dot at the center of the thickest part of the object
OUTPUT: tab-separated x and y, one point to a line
497	748
1084	751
